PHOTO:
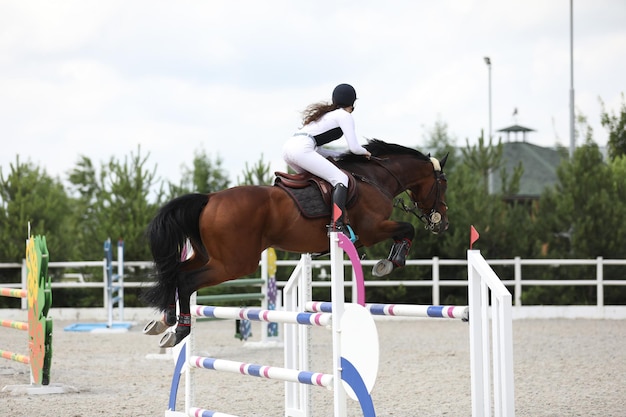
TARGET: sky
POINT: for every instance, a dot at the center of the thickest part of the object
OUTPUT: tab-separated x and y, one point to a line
170	79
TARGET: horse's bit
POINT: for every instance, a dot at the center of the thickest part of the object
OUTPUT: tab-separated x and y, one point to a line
433	219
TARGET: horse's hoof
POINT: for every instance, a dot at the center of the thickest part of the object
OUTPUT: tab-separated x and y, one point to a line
168	340
155	327
382	268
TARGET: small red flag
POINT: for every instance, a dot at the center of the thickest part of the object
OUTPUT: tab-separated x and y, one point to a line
473	236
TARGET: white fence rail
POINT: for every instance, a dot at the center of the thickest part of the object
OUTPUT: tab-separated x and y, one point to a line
436	282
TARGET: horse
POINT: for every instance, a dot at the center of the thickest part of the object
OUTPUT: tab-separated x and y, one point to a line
229	229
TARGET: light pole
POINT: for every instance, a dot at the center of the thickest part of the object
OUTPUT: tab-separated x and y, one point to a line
488	62
490	175
572	116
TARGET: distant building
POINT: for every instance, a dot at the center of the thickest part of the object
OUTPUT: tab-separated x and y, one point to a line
539	163
516	130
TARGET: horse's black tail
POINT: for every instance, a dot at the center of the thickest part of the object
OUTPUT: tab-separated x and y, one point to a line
167	233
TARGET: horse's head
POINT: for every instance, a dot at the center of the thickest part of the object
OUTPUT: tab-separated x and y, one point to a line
406	169
429	197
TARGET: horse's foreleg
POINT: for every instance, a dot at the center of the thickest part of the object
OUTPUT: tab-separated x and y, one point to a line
403	238
398	252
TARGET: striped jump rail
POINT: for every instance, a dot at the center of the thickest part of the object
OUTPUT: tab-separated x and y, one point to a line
15	357
13	324
258	314
13	292
401	310
262	371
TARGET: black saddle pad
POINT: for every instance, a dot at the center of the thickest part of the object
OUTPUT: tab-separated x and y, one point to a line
309	200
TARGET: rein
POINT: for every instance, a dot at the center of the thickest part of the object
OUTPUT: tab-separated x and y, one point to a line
433	216
366	180
429	220
379	162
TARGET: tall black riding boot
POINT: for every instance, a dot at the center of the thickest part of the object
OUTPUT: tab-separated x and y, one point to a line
340	194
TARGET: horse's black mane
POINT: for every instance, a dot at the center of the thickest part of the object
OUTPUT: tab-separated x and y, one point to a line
378	147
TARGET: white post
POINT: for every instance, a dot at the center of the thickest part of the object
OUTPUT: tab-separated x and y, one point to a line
486	351
483	281
120	280
354	290
296	342
105	283
338	299
264	290
600	284
109	282
502	356
305	289
190	348
436	287
476	343
518	281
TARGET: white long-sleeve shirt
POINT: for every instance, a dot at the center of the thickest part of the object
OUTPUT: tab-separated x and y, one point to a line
332	126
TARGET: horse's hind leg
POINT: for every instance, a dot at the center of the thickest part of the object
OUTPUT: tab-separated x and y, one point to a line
154	327
188	283
168	320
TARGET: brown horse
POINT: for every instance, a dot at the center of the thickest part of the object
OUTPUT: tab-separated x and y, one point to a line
229	229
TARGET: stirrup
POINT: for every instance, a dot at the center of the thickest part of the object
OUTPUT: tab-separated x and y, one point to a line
346	229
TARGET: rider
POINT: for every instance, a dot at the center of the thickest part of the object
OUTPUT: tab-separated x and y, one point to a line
324	123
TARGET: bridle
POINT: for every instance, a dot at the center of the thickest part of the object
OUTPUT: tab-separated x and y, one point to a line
431	218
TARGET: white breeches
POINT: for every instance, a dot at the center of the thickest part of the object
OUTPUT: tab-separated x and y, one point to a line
301	154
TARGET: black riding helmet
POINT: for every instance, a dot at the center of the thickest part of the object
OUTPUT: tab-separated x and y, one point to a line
344	95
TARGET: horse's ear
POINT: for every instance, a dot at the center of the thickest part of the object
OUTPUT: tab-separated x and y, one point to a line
443	161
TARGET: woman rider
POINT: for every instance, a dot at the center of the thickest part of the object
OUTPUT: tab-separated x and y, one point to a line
324	123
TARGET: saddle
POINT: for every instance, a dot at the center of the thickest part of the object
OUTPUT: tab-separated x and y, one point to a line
312	194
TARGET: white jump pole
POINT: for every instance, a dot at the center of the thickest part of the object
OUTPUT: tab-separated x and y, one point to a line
338	297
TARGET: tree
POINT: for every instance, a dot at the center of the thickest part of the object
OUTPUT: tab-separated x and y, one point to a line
115	203
441	143
29	195
205	176
85	188
482	158
616	125
582	217
259	174
585	190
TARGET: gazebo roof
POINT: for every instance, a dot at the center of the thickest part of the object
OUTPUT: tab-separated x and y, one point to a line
516	128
